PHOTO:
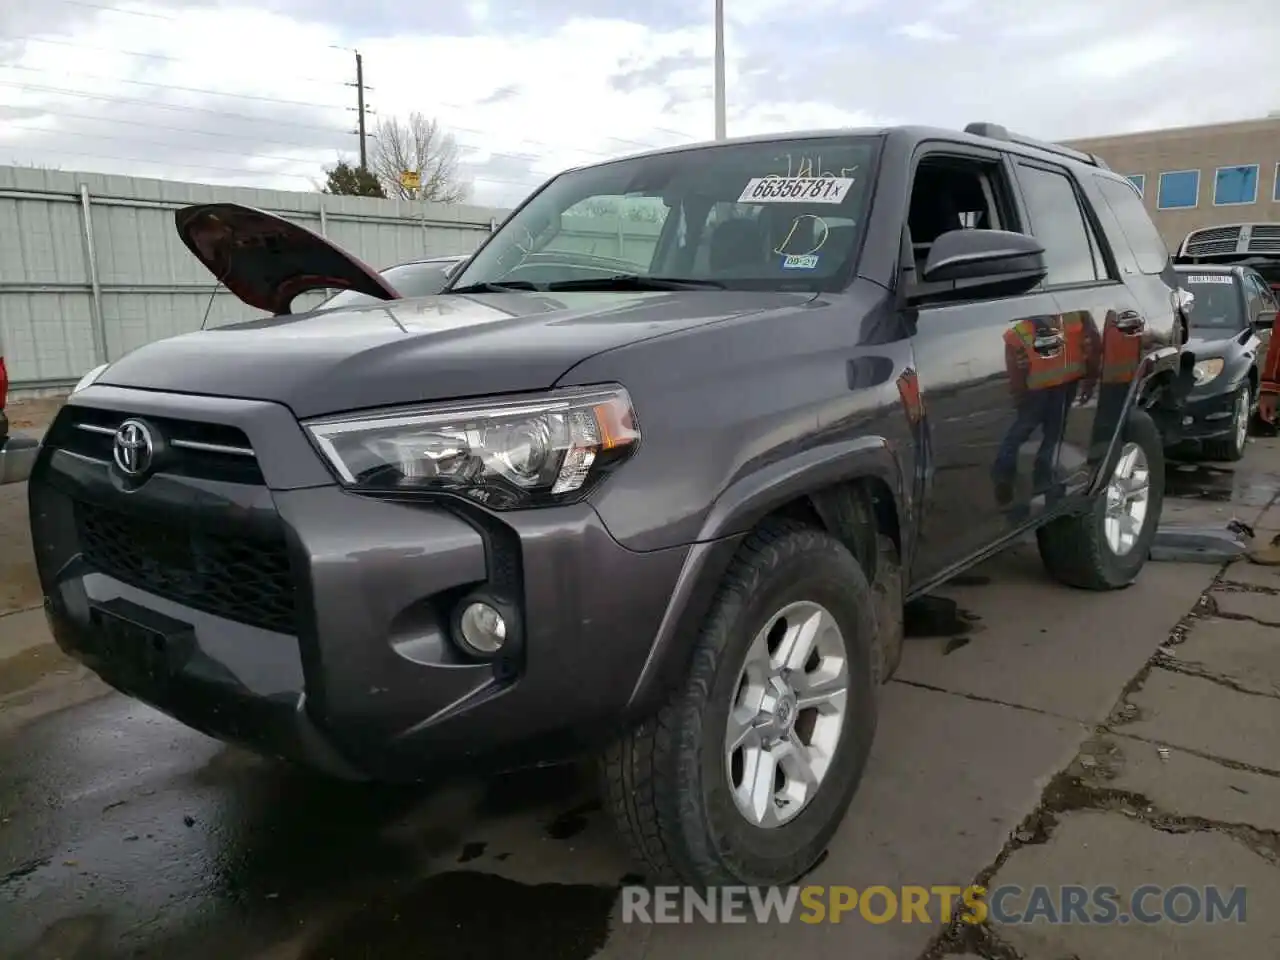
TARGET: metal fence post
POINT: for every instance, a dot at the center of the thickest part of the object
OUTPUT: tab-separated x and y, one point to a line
324	222
97	323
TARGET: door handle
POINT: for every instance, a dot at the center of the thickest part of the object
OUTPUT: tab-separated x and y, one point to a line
1130	322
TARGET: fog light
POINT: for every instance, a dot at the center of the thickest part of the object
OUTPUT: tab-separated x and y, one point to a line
482	629
1187	421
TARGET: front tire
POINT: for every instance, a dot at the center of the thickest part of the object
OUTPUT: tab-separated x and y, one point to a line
1232	448
1105	547
747	771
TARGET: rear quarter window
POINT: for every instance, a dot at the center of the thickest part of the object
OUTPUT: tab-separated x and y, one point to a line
1141	235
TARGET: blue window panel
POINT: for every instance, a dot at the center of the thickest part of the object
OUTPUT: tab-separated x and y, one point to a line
1179	189
1139	182
1233	185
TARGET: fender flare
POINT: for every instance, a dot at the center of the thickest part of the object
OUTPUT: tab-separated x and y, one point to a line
742	505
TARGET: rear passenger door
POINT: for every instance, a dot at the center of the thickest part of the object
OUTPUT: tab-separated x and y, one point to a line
1102	320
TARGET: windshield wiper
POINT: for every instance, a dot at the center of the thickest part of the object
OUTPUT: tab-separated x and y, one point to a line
504	287
634	281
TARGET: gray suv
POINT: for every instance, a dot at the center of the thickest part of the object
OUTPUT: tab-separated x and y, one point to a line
651	480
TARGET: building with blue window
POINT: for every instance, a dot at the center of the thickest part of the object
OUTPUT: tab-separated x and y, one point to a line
1193	177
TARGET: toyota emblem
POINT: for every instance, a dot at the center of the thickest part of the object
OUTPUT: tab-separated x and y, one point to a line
134	448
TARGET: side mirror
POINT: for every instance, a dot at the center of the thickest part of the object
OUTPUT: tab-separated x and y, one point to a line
985	258
1266	320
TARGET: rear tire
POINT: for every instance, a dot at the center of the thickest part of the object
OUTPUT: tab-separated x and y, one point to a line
1077	549
1232	448
674	784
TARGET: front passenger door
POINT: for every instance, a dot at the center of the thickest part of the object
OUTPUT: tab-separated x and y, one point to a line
987	369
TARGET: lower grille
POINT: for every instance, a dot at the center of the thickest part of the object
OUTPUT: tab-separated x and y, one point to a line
246	580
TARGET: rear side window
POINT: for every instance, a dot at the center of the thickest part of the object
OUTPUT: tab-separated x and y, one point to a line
1070	250
1144	239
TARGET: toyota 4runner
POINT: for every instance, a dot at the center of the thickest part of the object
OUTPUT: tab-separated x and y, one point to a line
651	479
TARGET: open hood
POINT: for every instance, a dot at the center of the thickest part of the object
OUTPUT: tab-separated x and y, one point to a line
267	261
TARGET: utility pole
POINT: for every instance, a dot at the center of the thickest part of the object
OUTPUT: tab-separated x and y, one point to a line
719	89
364	165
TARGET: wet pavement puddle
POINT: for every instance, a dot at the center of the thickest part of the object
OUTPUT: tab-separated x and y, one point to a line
462	915
933	616
126	835
1217	484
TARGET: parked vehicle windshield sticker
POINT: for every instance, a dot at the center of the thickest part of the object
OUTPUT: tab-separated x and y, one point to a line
1212	278
796	190
806	261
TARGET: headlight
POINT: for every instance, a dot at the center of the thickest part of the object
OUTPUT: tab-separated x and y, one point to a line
1206	370
89	377
504	453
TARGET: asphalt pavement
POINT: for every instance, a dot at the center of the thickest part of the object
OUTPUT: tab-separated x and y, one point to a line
1034	734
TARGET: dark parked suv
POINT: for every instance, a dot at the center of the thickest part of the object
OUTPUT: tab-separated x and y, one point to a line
652	478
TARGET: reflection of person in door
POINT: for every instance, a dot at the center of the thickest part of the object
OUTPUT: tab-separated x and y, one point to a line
1269	388
1122	348
1050	360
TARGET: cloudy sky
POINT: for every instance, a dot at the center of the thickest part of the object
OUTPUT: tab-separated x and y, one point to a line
227	91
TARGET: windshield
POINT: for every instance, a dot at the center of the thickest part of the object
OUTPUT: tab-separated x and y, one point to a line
409	280
1217	312
782	215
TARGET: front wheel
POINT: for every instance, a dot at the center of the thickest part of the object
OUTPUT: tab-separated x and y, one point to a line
746	773
1232	447
1106	546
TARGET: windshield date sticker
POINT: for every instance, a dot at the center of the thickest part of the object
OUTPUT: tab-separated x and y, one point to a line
796	190
806	261
1211	278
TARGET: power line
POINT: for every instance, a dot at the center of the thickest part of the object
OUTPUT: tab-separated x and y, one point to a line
241	172
237	153
186	60
169	58
61	115
182	108
234	153
106	9
63	92
172	86
156	143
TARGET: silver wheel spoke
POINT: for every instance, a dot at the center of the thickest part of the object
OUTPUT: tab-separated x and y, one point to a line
793	757
826	693
1127	494
775	758
797	643
756	793
742	729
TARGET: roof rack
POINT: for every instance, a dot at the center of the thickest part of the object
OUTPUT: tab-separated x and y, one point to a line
993	131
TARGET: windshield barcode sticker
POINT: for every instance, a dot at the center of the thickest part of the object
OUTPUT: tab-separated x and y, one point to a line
1211	278
796	190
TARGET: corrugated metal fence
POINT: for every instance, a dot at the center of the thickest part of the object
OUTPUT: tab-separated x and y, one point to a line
91	266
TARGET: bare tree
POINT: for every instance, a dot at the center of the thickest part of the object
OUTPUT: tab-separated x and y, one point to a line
422	147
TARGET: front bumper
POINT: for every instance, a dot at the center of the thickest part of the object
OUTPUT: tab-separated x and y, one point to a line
353	672
1208	412
17	455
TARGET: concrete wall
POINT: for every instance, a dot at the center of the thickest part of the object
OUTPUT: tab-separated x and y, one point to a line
63	311
1205	149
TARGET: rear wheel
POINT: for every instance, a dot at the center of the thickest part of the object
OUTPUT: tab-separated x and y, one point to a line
1105	547
1232	447
745	774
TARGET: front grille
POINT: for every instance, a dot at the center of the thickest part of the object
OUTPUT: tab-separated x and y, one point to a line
1213	240
206	451
1265	238
243	579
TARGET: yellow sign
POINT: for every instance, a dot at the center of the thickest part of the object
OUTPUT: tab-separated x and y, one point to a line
410	179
